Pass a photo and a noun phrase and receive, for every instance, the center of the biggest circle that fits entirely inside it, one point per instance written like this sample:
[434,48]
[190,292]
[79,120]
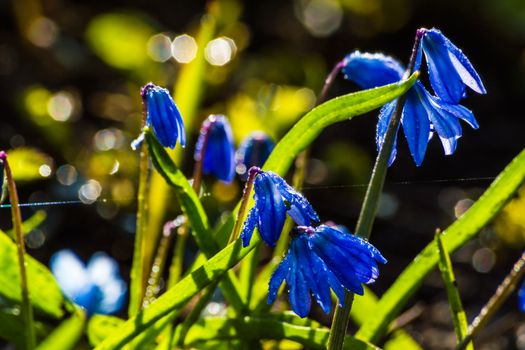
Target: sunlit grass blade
[459,317]
[263,327]
[67,334]
[454,237]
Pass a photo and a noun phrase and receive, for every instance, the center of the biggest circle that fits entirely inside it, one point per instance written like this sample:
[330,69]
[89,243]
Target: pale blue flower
[96,287]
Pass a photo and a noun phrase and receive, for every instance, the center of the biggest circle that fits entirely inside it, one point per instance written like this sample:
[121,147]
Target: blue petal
[314,272]
[371,70]
[299,294]
[271,209]
[301,211]
[70,273]
[449,69]
[249,226]
[444,123]
[104,273]
[278,277]
[385,115]
[460,112]
[416,124]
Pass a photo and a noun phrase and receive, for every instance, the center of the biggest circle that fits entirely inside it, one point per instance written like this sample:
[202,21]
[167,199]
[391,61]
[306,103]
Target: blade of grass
[459,317]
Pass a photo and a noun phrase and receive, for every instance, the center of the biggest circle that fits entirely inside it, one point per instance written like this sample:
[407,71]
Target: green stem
[27,309]
[502,293]
[244,204]
[370,205]
[138,268]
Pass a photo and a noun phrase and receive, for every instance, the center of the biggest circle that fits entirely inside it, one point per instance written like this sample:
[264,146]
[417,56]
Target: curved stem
[27,308]
[370,205]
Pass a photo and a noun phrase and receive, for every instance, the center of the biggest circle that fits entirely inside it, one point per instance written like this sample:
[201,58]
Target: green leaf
[459,317]
[460,232]
[30,224]
[26,164]
[299,137]
[264,327]
[46,296]
[120,39]
[12,326]
[67,334]
[101,326]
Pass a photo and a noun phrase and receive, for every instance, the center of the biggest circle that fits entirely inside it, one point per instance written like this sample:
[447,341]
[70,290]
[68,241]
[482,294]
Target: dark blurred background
[70,74]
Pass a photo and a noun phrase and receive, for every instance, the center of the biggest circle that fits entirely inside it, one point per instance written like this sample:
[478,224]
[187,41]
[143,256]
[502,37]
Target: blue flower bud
[253,151]
[163,116]
[215,148]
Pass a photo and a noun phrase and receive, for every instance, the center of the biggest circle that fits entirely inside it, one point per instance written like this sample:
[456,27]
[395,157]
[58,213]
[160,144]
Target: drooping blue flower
[215,148]
[163,116]
[305,274]
[96,287]
[450,71]
[422,115]
[352,259]
[273,199]
[322,258]
[253,151]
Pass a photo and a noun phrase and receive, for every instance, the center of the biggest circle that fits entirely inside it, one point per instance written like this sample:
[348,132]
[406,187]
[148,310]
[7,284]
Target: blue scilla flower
[305,274]
[253,151]
[97,287]
[422,115]
[450,71]
[273,199]
[215,148]
[322,258]
[163,116]
[352,259]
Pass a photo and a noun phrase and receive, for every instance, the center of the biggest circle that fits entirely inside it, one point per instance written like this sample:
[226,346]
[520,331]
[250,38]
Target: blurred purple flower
[96,287]
[253,151]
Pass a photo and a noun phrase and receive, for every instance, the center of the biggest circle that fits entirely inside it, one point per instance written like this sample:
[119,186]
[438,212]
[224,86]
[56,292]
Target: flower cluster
[96,287]
[450,73]
[319,258]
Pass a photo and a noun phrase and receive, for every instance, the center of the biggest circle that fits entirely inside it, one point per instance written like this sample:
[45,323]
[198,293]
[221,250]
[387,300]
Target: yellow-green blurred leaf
[120,39]
[28,164]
